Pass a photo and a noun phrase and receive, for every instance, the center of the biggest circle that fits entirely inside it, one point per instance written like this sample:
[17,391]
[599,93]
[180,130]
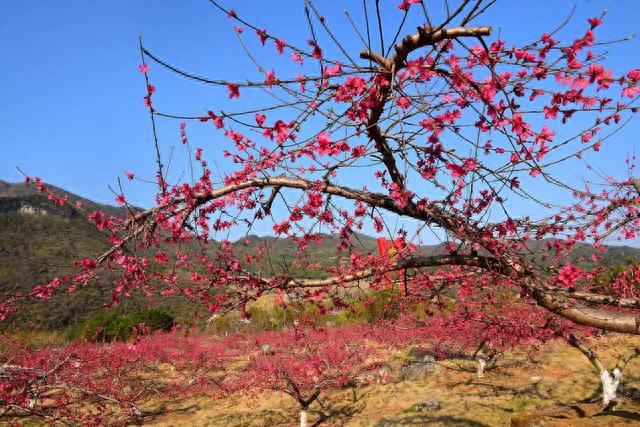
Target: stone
[428,404]
[30,210]
[420,364]
[417,353]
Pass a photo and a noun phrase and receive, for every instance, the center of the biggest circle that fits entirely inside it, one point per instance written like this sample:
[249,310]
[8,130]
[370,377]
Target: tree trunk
[33,402]
[610,382]
[481,364]
[303,418]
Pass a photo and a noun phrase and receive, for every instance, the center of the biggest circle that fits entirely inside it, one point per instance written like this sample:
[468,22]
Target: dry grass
[551,385]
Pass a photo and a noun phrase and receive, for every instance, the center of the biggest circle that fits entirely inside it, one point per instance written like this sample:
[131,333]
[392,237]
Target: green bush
[379,305]
[118,326]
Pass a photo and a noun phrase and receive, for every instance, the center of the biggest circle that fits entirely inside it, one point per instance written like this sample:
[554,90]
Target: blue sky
[71,106]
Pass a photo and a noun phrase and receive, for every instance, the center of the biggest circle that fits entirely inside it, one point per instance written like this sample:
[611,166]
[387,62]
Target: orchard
[445,132]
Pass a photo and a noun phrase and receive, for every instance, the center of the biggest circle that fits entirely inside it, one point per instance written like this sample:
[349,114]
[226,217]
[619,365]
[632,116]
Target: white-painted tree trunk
[481,364]
[303,418]
[33,402]
[610,383]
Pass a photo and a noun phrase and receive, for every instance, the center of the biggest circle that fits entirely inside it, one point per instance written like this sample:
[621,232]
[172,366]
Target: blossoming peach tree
[447,126]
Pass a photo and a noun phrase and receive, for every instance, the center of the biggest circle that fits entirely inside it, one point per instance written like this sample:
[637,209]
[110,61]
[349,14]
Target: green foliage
[372,307]
[257,319]
[379,305]
[35,339]
[271,320]
[118,326]
[604,280]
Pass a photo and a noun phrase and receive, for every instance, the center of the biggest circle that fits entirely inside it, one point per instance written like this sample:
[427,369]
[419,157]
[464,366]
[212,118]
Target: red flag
[392,251]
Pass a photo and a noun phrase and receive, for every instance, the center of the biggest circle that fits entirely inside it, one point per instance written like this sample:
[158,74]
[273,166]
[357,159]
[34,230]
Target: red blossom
[324,143]
[358,151]
[334,70]
[568,275]
[297,58]
[403,102]
[262,35]
[407,3]
[594,22]
[234,90]
[270,78]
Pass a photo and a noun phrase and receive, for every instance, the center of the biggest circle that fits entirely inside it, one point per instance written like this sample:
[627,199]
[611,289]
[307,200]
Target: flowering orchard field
[324,373]
[420,120]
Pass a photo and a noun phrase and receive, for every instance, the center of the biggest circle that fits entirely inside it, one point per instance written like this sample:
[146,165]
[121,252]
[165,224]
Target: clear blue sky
[71,106]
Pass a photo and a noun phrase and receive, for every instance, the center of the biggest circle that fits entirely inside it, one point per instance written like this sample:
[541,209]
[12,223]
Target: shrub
[118,326]
[379,305]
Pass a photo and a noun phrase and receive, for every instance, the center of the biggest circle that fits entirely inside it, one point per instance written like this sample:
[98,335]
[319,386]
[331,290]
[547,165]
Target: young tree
[307,361]
[483,334]
[478,326]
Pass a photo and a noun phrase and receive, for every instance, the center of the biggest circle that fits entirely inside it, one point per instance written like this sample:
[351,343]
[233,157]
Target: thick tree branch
[505,262]
[611,300]
[595,318]
[488,263]
[424,37]
[427,37]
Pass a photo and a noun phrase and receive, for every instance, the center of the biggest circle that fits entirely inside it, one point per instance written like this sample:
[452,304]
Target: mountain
[39,240]
[23,198]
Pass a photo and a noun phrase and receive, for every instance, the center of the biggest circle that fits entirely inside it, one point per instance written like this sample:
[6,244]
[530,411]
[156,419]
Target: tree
[306,361]
[400,109]
[484,332]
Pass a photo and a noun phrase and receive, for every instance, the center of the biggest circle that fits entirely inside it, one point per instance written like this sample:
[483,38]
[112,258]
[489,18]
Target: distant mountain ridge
[26,199]
[15,197]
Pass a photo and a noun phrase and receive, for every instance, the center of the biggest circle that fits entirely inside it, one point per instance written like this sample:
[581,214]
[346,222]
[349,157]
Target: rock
[417,353]
[429,404]
[30,210]
[420,364]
